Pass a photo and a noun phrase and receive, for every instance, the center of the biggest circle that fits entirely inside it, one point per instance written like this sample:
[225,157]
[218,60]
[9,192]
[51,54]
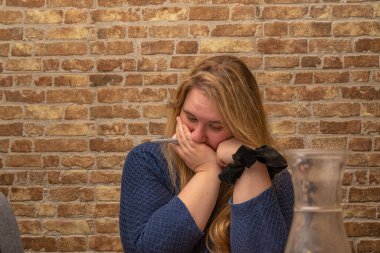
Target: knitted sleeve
[152,217]
[262,224]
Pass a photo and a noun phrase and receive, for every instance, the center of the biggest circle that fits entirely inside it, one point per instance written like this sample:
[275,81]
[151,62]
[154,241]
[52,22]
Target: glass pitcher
[317,222]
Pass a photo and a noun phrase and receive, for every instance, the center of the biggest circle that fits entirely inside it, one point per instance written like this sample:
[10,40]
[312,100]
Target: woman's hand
[198,156]
[226,149]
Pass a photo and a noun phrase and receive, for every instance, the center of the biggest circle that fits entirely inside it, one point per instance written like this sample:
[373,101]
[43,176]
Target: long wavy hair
[232,86]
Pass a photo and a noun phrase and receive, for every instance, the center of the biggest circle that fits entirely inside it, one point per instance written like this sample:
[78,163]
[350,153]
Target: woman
[172,199]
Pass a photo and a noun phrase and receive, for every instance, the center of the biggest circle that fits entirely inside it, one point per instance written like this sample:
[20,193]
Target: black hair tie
[245,157]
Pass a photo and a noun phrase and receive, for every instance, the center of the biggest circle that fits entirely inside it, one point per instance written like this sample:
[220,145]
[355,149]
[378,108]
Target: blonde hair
[232,86]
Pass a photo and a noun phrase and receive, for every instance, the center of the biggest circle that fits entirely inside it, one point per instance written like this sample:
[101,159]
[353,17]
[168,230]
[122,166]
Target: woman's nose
[198,134]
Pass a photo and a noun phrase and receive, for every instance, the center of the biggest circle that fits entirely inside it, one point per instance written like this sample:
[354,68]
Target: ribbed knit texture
[10,240]
[154,219]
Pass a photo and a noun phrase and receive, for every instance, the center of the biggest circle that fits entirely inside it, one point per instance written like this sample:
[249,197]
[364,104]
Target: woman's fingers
[184,135]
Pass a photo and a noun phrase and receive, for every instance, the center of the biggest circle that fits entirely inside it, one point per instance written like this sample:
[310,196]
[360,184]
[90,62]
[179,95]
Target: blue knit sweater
[154,219]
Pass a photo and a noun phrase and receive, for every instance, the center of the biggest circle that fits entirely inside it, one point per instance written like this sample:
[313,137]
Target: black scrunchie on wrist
[245,157]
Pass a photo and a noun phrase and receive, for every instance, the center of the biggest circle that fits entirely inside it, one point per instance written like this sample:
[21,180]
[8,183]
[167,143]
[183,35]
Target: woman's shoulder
[146,148]
[282,182]
[146,155]
[147,152]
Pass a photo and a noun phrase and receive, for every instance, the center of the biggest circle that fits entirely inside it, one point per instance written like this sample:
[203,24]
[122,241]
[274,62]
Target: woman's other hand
[226,149]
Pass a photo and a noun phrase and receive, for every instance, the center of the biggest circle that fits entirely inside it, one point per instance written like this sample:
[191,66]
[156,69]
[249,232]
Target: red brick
[105,79]
[340,127]
[7,34]
[361,229]
[337,109]
[145,2]
[26,193]
[6,178]
[310,29]
[331,77]
[156,128]
[21,146]
[13,129]
[137,129]
[370,127]
[360,144]
[310,61]
[77,96]
[60,145]
[282,62]
[137,31]
[166,13]
[329,45]
[30,3]
[78,64]
[115,128]
[157,47]
[359,211]
[71,210]
[303,78]
[113,15]
[284,46]
[50,64]
[112,47]
[74,16]
[38,16]
[110,3]
[329,143]
[61,48]
[284,12]
[317,93]
[367,45]
[355,28]
[107,177]
[39,243]
[116,111]
[199,30]
[113,32]
[243,12]
[110,162]
[105,243]
[10,112]
[187,47]
[110,145]
[362,92]
[10,17]
[72,3]
[368,245]
[238,30]
[72,243]
[283,109]
[107,226]
[332,62]
[361,61]
[280,94]
[209,13]
[67,194]
[350,11]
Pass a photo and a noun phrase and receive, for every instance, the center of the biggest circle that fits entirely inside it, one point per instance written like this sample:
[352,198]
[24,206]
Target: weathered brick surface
[82,82]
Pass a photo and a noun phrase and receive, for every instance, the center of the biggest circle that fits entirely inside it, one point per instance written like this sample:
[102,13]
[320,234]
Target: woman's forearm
[200,195]
[253,181]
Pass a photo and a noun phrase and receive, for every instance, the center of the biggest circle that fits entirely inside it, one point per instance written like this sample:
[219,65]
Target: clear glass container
[318,221]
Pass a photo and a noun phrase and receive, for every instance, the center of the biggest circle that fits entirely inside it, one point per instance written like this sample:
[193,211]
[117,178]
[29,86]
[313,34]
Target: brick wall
[83,81]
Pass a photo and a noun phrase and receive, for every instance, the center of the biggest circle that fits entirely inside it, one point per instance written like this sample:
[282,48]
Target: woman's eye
[216,128]
[191,119]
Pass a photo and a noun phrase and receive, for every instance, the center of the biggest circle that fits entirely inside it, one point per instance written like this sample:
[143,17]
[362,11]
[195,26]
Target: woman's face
[200,114]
